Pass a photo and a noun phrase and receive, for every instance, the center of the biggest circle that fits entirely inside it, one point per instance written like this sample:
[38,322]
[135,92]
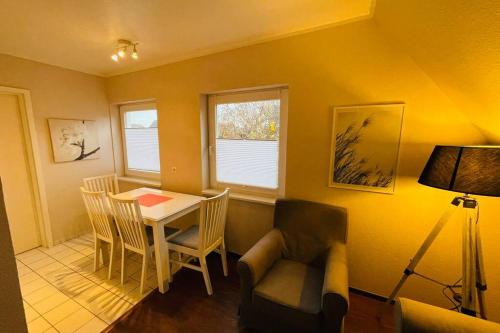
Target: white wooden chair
[134,234]
[106,183]
[200,240]
[102,224]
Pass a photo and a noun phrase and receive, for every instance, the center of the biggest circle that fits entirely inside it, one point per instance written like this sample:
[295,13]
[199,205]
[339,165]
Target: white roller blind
[246,162]
[247,142]
[140,126]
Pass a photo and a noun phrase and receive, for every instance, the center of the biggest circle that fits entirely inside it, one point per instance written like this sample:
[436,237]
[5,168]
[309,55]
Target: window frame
[135,172]
[280,93]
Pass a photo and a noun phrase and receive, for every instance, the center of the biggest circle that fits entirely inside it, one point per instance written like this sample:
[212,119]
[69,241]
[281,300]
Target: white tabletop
[163,210]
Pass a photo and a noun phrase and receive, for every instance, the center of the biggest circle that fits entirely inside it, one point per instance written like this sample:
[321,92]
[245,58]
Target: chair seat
[168,232]
[187,238]
[291,291]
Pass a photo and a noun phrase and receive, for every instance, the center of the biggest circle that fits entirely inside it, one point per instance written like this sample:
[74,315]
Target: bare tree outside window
[247,143]
[257,120]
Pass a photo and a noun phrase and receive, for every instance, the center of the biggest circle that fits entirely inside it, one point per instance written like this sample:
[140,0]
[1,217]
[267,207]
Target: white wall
[61,93]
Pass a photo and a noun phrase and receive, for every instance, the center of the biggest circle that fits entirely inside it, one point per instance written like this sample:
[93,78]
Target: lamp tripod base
[473,279]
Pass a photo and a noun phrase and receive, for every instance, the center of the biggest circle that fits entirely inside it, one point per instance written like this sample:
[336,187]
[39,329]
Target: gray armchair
[294,279]
[416,317]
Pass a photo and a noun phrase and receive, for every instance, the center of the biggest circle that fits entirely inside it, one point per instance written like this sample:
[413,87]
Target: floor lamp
[470,170]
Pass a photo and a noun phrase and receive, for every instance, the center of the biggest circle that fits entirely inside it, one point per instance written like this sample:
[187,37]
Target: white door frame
[35,169]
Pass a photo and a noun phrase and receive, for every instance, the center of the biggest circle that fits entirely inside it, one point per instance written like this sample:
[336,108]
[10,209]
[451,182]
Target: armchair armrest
[335,300]
[257,261]
[413,317]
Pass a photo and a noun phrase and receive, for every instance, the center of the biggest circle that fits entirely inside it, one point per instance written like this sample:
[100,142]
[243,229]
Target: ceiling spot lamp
[122,47]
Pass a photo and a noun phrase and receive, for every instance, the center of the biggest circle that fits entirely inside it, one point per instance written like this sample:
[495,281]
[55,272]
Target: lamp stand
[473,280]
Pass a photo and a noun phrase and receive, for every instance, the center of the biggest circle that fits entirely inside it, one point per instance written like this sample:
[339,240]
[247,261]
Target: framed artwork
[365,147]
[74,140]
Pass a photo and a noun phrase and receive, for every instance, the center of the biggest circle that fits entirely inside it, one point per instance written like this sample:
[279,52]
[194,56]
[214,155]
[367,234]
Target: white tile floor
[61,293]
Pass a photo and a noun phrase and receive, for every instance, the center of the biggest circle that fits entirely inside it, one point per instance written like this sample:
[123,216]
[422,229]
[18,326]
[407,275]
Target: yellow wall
[350,64]
[457,44]
[61,93]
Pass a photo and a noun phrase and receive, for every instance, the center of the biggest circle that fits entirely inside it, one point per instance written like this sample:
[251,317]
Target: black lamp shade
[464,169]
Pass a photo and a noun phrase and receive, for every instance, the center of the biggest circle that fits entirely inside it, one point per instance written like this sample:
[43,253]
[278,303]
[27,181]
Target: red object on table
[149,200]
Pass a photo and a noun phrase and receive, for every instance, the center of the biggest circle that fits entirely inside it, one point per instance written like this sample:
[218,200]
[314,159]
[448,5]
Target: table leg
[161,257]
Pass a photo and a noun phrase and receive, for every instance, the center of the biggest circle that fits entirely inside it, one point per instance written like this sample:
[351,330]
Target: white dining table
[157,217]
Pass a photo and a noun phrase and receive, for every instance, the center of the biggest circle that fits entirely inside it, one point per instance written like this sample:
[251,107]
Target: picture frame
[365,147]
[74,139]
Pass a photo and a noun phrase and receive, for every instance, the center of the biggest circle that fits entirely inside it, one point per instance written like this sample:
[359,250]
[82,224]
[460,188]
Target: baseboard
[368,294]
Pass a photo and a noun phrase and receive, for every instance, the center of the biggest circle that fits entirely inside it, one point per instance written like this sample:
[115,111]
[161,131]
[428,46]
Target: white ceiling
[81,34]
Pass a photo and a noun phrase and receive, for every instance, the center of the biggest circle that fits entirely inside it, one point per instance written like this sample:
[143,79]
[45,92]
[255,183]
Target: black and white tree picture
[74,140]
[365,146]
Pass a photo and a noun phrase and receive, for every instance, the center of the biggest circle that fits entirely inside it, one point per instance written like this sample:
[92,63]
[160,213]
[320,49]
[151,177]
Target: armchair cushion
[292,284]
[289,295]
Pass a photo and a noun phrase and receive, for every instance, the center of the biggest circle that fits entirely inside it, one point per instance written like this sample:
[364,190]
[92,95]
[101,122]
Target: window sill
[244,197]
[141,181]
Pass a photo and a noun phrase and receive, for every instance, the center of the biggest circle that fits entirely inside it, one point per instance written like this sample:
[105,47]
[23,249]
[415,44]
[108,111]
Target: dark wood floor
[186,307]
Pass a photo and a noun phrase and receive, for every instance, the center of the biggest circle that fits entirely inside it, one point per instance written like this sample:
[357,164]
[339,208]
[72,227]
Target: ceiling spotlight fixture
[121,49]
[134,54]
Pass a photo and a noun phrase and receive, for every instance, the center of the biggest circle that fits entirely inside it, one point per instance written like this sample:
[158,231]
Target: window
[141,152]
[247,141]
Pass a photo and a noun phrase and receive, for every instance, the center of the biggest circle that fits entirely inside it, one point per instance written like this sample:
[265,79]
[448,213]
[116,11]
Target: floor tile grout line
[40,316]
[72,297]
[69,298]
[128,277]
[93,316]
[32,305]
[120,296]
[66,246]
[77,272]
[36,288]
[44,253]
[22,254]
[51,326]
[24,266]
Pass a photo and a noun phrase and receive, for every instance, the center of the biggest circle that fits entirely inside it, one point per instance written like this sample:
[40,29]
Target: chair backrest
[130,223]
[309,228]
[213,213]
[106,183]
[99,213]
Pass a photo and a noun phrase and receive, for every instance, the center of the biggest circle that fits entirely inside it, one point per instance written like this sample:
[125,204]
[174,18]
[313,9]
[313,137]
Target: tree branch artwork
[81,145]
[74,140]
[349,168]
